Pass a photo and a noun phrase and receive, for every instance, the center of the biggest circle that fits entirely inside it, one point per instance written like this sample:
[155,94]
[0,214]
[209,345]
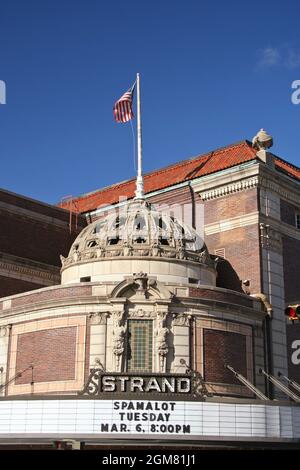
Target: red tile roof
[185,170]
[287,168]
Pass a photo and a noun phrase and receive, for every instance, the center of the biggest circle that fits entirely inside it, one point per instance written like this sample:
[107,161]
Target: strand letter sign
[100,383]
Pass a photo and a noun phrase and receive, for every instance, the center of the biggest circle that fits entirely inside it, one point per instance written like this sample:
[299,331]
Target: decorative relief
[230,188]
[262,181]
[181,319]
[99,318]
[33,273]
[98,364]
[4,330]
[162,334]
[162,316]
[140,313]
[119,337]
[141,281]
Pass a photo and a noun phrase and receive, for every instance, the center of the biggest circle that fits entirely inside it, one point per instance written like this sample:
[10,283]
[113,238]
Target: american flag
[123,107]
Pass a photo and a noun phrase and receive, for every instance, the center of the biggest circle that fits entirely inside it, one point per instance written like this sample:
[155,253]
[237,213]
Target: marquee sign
[100,383]
[86,418]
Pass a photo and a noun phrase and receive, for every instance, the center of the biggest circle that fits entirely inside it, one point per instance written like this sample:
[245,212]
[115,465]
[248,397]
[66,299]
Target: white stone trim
[232,223]
[230,188]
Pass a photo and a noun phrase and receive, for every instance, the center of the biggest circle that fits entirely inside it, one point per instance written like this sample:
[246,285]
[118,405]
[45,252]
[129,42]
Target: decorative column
[98,335]
[181,330]
[118,339]
[4,340]
[162,344]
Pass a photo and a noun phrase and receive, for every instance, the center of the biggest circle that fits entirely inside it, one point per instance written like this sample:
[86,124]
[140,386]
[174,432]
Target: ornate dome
[138,231]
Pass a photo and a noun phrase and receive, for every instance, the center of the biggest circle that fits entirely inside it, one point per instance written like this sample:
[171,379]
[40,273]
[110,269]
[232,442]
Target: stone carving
[156,251]
[98,318]
[76,256]
[181,253]
[4,330]
[98,364]
[162,317]
[127,249]
[181,319]
[100,252]
[119,337]
[162,345]
[141,231]
[204,257]
[246,286]
[141,280]
[162,334]
[262,140]
[62,260]
[140,313]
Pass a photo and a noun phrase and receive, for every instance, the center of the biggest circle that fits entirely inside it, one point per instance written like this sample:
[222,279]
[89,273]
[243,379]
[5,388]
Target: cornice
[230,188]
[257,175]
[37,216]
[9,268]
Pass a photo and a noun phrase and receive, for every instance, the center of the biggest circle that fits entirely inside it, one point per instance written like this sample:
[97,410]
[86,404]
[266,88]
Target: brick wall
[241,203]
[33,205]
[226,297]
[221,348]
[51,352]
[291,268]
[28,238]
[33,231]
[51,294]
[242,251]
[10,286]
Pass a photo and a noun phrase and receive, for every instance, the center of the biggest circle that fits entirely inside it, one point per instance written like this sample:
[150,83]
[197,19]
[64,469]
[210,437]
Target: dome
[135,232]
[138,231]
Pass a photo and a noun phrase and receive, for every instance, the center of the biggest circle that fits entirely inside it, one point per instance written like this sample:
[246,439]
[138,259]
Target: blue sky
[212,73]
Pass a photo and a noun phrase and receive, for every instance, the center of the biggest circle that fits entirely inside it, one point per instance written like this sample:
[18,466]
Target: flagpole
[139,193]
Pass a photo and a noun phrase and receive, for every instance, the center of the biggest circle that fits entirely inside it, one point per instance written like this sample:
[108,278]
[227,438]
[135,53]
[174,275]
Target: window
[139,345]
[85,279]
[298,221]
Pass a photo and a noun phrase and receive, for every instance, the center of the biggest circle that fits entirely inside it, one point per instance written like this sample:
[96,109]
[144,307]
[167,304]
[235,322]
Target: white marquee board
[147,418]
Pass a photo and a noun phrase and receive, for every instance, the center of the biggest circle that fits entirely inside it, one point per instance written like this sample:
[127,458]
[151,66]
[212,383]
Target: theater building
[168,319]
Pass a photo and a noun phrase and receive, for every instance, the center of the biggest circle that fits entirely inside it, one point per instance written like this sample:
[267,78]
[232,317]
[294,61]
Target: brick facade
[27,238]
[221,296]
[222,348]
[51,352]
[32,234]
[53,294]
[233,205]
[242,250]
[11,286]
[56,349]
